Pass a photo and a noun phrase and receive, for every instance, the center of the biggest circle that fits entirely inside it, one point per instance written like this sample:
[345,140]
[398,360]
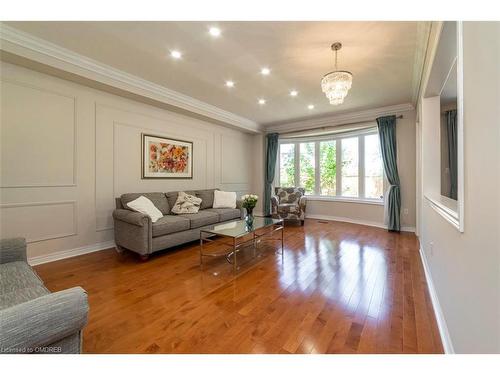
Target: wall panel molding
[106,116]
[74,230]
[225,156]
[73,183]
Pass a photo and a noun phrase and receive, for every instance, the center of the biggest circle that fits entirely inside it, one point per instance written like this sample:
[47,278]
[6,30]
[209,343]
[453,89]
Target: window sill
[377,202]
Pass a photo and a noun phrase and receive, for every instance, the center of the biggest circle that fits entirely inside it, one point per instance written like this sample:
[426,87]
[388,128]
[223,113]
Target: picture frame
[166,158]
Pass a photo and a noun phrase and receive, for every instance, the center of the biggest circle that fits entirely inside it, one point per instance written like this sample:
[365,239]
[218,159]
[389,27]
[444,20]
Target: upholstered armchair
[289,204]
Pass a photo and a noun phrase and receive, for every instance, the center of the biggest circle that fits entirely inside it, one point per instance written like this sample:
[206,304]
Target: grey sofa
[32,319]
[135,231]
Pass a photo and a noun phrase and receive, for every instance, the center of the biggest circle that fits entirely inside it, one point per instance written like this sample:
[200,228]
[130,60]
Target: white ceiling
[381,56]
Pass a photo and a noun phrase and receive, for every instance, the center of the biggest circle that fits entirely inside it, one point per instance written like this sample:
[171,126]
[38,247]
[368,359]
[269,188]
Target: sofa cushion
[207,198]
[202,218]
[226,213]
[172,197]
[17,275]
[21,295]
[159,200]
[170,224]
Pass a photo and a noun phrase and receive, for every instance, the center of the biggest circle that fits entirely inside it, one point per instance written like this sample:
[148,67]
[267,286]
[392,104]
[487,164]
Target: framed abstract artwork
[166,158]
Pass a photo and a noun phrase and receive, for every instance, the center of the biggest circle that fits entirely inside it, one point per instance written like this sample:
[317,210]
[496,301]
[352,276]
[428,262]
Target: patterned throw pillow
[186,204]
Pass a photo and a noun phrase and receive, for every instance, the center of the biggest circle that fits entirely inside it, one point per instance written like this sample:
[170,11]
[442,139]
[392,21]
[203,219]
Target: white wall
[465,267]
[371,214]
[67,150]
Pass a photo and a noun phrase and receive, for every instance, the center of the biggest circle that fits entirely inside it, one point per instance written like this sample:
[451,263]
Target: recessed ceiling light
[265,71]
[294,93]
[262,101]
[229,83]
[176,54]
[310,106]
[214,31]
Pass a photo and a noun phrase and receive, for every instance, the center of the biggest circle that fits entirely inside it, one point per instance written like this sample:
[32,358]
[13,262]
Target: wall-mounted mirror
[442,127]
[448,136]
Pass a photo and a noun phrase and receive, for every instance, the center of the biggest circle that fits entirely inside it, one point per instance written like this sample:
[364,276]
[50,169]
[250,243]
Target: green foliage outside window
[328,167]
[307,171]
[287,165]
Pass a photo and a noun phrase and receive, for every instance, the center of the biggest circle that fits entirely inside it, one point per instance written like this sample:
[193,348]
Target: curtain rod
[324,127]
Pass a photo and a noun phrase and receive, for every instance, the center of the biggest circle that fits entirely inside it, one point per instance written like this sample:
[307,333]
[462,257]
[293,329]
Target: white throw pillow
[224,199]
[146,207]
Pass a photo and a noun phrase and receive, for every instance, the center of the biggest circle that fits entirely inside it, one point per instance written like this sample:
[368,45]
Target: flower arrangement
[249,201]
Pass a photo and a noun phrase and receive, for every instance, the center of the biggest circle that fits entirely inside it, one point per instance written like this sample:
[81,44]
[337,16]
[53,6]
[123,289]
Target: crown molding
[339,119]
[39,50]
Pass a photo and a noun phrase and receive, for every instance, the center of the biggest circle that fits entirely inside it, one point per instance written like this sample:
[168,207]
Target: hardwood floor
[340,288]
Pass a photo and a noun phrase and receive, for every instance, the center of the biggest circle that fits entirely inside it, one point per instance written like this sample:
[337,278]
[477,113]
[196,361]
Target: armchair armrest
[303,203]
[274,201]
[43,320]
[12,250]
[131,217]
[274,204]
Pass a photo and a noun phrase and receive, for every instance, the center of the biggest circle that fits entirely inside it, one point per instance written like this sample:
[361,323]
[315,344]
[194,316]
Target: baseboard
[33,261]
[441,322]
[356,221]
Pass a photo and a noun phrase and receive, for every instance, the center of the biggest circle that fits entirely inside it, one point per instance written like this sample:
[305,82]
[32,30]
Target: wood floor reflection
[339,288]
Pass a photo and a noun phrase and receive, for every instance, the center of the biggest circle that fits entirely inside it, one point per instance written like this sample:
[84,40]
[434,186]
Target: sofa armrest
[43,320]
[12,250]
[133,231]
[239,206]
[131,217]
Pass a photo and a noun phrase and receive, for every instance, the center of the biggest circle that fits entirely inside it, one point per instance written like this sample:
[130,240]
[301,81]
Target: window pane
[287,165]
[307,167]
[374,177]
[350,167]
[328,167]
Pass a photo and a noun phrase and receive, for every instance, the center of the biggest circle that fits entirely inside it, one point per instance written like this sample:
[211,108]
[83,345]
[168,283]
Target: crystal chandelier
[336,84]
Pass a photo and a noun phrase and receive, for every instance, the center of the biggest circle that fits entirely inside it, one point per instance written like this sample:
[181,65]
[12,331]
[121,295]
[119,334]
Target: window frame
[360,135]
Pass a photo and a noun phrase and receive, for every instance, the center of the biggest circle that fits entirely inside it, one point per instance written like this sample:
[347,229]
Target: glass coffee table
[238,229]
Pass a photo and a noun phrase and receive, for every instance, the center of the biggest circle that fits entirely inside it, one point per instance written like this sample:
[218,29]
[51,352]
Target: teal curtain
[271,156]
[387,134]
[451,128]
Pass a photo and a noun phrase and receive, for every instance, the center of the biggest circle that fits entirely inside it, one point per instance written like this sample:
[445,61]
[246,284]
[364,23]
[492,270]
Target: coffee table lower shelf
[234,247]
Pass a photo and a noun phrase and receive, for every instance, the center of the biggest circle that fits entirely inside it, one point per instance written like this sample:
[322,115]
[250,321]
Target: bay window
[339,166]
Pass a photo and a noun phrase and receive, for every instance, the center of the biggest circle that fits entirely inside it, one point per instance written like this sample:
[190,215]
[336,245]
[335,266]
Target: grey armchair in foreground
[32,319]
